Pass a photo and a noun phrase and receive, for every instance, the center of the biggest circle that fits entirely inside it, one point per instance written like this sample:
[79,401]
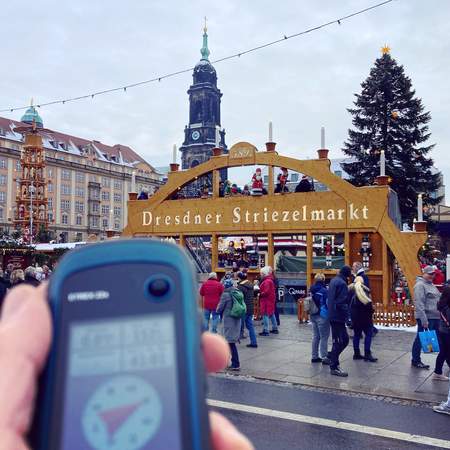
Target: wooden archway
[365,209]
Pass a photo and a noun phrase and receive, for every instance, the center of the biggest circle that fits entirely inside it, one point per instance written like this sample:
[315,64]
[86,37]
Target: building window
[93,178]
[64,219]
[105,223]
[117,184]
[79,220]
[105,209]
[49,187]
[2,163]
[50,216]
[65,174]
[117,210]
[2,196]
[50,203]
[65,189]
[117,197]
[80,177]
[105,195]
[294,177]
[79,237]
[106,182]
[65,204]
[2,180]
[95,208]
[1,213]
[17,165]
[79,192]
[50,172]
[117,225]
[79,207]
[94,221]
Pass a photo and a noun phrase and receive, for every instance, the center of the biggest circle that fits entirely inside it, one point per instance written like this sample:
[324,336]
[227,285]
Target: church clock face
[123,414]
[195,135]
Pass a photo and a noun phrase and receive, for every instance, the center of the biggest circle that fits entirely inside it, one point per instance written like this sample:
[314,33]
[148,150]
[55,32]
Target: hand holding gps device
[125,370]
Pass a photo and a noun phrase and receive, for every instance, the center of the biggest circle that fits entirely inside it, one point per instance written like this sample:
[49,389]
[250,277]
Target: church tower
[204,113]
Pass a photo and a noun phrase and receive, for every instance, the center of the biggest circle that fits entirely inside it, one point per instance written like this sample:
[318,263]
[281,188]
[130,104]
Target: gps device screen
[121,386]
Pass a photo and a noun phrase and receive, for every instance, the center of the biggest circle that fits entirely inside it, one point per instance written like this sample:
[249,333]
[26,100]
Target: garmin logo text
[87,296]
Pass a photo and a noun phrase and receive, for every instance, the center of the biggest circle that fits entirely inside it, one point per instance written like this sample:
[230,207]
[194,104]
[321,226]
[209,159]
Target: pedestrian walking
[246,287]
[231,325]
[211,290]
[338,309]
[444,341]
[267,301]
[361,311]
[320,322]
[426,297]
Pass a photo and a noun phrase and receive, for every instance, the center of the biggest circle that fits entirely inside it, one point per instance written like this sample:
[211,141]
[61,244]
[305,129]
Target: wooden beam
[309,258]
[216,182]
[214,252]
[270,251]
[270,187]
[182,240]
[386,277]
[347,248]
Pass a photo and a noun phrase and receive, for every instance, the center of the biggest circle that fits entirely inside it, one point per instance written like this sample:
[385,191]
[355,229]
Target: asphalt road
[267,432]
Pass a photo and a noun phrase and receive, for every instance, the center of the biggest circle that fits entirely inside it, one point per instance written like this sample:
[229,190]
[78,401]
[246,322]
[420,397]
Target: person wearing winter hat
[231,325]
[338,312]
[247,289]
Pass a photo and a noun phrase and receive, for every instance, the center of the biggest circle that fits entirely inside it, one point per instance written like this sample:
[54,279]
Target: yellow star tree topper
[385,50]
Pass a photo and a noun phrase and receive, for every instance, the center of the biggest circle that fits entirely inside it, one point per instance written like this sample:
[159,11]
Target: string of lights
[124,88]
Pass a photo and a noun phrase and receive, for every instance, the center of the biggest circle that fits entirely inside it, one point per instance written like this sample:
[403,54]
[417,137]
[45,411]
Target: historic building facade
[87,182]
[204,127]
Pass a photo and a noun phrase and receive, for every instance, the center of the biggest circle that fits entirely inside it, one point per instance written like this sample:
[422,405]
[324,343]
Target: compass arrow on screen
[114,418]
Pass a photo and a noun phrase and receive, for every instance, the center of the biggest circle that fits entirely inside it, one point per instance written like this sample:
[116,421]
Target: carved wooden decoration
[343,209]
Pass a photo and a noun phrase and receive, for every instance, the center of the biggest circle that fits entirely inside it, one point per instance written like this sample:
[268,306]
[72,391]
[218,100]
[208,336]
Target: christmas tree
[388,116]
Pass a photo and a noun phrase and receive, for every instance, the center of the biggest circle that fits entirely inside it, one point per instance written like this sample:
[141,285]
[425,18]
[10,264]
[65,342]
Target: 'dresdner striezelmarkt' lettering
[266,215]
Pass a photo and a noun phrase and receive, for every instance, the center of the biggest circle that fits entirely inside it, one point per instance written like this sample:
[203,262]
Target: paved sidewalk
[287,357]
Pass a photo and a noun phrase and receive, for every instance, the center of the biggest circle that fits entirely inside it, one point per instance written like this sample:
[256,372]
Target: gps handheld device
[125,370]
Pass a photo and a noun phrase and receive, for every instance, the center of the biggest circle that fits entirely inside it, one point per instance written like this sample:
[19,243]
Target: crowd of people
[345,303]
[11,277]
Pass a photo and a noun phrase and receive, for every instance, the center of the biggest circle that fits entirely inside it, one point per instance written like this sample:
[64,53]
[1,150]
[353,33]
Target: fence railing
[394,315]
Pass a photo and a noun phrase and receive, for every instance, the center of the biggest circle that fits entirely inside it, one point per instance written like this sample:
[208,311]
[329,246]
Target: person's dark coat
[143,196]
[303,186]
[361,313]
[319,294]
[444,324]
[246,287]
[338,298]
[31,281]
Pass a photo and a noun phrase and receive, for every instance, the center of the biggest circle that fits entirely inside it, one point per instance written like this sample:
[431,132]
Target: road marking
[311,420]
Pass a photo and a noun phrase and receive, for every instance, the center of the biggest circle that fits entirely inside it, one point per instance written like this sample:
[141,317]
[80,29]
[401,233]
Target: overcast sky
[53,49]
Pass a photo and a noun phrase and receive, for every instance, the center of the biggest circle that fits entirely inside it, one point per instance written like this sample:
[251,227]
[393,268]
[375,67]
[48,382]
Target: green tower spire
[205,50]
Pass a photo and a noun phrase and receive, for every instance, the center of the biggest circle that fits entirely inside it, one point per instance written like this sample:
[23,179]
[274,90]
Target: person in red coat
[211,290]
[267,300]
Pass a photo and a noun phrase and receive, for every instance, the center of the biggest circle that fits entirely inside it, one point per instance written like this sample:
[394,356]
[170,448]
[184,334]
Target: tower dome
[31,115]
[204,71]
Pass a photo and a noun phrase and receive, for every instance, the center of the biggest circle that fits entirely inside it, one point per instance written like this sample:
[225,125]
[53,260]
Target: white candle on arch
[270,132]
[133,181]
[382,163]
[174,156]
[322,137]
[419,208]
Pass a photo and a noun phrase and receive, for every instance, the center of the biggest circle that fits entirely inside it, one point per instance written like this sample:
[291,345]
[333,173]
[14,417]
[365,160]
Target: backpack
[239,308]
[310,306]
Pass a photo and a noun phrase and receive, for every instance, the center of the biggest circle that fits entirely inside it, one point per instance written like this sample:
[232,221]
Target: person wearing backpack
[231,324]
[247,289]
[319,320]
[267,301]
[444,340]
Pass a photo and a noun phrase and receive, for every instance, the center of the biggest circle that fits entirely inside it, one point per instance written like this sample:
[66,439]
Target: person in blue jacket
[339,311]
[320,322]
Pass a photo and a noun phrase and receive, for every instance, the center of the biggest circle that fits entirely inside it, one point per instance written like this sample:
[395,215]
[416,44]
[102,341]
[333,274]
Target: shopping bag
[429,341]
